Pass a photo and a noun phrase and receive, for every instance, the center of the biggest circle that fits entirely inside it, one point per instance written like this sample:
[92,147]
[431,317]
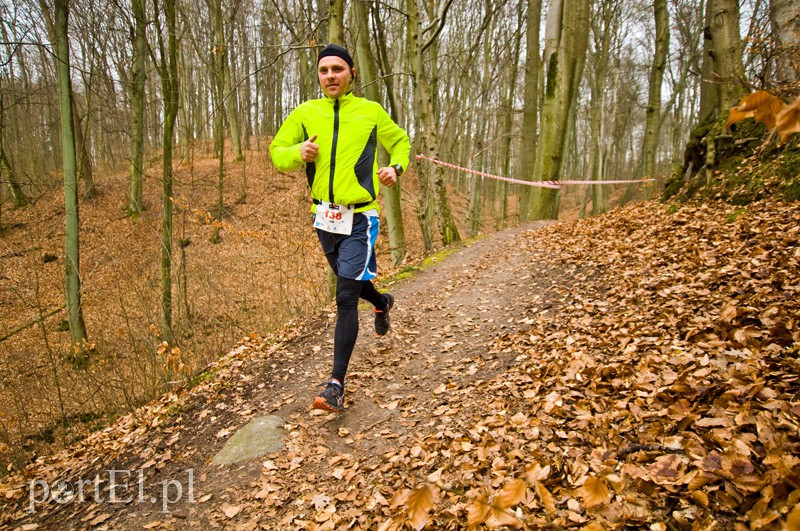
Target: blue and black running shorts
[353,256]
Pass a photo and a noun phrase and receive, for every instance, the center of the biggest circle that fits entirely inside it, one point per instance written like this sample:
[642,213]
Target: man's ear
[352,75]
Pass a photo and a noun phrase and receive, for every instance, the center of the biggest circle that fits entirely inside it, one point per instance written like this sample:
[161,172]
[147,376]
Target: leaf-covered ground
[639,369]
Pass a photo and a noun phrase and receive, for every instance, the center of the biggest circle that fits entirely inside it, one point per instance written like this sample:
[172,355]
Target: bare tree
[219,62]
[230,95]
[785,20]
[7,175]
[369,79]
[140,50]
[336,22]
[432,187]
[77,326]
[569,26]
[168,70]
[84,163]
[653,122]
[508,110]
[606,22]
[533,16]
[727,47]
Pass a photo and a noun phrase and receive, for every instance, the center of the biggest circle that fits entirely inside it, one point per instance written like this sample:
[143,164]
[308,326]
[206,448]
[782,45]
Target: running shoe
[331,399]
[382,321]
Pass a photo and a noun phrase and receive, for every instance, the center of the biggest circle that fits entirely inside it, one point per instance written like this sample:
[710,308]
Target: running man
[336,138]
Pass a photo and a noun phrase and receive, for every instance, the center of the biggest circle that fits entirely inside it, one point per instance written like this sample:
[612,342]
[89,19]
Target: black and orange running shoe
[382,321]
[331,399]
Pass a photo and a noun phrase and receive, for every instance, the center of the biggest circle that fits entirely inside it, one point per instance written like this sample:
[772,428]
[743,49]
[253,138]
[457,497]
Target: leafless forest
[143,229]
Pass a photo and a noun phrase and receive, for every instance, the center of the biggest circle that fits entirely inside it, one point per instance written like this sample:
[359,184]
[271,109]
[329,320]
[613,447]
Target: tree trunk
[6,172]
[85,171]
[784,16]
[231,102]
[476,183]
[508,120]
[323,8]
[380,41]
[307,73]
[604,32]
[84,165]
[137,108]
[221,87]
[653,113]
[336,24]
[475,189]
[248,94]
[596,128]
[7,175]
[727,46]
[433,174]
[563,68]
[554,28]
[169,84]
[425,205]
[77,326]
[709,94]
[391,196]
[531,104]
[188,99]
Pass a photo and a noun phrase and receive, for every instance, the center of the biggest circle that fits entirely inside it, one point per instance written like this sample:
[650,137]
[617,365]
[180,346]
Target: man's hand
[387,176]
[309,150]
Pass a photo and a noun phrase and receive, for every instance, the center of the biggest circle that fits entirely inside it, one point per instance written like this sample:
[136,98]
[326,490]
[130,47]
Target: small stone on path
[262,436]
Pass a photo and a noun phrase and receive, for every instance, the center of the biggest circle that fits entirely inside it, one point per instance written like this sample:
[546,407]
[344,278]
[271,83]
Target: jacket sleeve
[394,140]
[285,147]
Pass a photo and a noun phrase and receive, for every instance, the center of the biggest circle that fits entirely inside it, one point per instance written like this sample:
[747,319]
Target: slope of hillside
[739,164]
[219,290]
[636,369]
[247,282]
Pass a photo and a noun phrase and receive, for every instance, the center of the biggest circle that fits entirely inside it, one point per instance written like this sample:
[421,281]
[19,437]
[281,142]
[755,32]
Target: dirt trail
[632,370]
[442,321]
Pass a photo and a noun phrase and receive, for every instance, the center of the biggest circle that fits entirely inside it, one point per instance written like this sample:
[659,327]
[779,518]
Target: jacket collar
[344,98]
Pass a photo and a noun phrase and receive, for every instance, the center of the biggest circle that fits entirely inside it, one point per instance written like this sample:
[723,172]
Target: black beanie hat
[335,50]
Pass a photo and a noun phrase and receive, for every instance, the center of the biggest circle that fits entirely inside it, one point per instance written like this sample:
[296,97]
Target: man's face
[334,76]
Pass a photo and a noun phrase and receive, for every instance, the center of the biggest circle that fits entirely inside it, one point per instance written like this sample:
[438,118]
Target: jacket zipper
[333,147]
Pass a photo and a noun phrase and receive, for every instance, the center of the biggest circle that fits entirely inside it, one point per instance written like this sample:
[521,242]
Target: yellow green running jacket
[348,130]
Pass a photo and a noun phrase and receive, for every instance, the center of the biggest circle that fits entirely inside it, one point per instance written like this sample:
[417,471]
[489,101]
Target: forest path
[627,370]
[444,317]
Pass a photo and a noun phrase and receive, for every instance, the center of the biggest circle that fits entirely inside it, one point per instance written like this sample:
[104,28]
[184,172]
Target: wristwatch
[399,169]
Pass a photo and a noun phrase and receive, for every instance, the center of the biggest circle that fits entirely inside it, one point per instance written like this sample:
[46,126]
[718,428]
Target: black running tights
[348,292]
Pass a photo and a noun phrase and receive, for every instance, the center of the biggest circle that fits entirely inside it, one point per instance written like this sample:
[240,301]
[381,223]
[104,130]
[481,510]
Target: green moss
[736,214]
[202,377]
[437,258]
[175,409]
[702,130]
[412,270]
[672,209]
[788,175]
[749,165]
[791,192]
[404,274]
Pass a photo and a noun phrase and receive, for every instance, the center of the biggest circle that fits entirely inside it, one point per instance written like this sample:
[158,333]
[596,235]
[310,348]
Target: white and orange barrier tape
[543,184]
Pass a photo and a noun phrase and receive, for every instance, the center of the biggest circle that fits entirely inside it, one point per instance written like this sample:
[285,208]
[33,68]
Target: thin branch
[440,20]
[36,321]
[382,77]
[396,9]
[233,89]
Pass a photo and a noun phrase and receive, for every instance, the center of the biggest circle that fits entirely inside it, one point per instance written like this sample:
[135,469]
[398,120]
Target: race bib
[337,219]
